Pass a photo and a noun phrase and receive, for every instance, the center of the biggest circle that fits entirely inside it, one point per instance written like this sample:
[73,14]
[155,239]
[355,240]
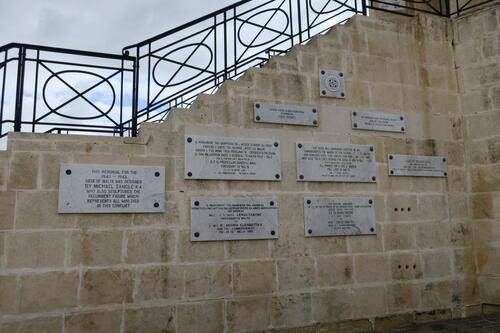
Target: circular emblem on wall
[332,83]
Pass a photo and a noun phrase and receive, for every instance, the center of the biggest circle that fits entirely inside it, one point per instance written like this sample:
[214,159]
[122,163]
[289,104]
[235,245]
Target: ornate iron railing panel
[61,90]
[175,67]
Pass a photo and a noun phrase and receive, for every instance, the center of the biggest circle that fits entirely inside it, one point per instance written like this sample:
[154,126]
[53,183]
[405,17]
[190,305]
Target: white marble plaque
[286,114]
[231,158]
[331,83]
[322,162]
[338,216]
[378,121]
[420,166]
[88,188]
[214,219]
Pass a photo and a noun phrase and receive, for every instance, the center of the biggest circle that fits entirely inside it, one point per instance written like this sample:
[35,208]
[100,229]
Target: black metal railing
[54,90]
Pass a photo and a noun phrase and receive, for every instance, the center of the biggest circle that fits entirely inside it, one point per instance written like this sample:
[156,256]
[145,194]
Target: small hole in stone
[414,266]
[395,209]
[399,266]
[402,209]
[409,209]
[407,267]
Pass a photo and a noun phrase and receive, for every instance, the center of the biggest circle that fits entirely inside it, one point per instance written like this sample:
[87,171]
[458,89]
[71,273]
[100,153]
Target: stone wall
[141,273]
[477,60]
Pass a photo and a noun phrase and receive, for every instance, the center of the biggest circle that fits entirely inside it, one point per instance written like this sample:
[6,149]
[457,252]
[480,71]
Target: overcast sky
[100,25]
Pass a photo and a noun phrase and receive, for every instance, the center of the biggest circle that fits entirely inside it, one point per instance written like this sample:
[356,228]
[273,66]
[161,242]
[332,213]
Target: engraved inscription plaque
[331,83]
[231,218]
[338,216]
[420,166]
[286,114]
[231,158]
[378,121]
[87,188]
[335,162]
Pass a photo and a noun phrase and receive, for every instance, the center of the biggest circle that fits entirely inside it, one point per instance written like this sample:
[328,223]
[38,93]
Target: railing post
[363,6]
[135,93]
[18,116]
[447,8]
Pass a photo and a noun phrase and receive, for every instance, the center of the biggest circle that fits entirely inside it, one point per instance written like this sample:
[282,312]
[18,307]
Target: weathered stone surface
[39,325]
[251,278]
[35,249]
[207,280]
[291,310]
[99,322]
[8,293]
[150,320]
[248,314]
[106,286]
[150,246]
[163,282]
[200,317]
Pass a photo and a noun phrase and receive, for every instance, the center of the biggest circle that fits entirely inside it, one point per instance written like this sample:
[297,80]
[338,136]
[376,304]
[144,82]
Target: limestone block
[482,206]
[432,207]
[465,291]
[97,248]
[351,326]
[456,182]
[248,314]
[307,62]
[476,100]
[370,140]
[2,250]
[35,249]
[49,169]
[483,124]
[379,93]
[369,243]
[207,280]
[159,282]
[150,246]
[106,286]
[229,113]
[256,277]
[392,184]
[383,44]
[74,146]
[326,245]
[247,249]
[490,289]
[109,159]
[8,294]
[296,274]
[487,261]
[334,270]
[433,235]
[398,236]
[48,291]
[98,322]
[371,268]
[23,171]
[402,296]
[38,210]
[436,295]
[369,301]
[398,146]
[485,178]
[402,207]
[150,320]
[7,210]
[332,305]
[406,266]
[461,234]
[291,310]
[464,261]
[291,87]
[200,317]
[188,251]
[436,264]
[40,325]
[487,233]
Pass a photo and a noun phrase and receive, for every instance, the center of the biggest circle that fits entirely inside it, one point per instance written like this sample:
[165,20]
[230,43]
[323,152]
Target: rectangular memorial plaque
[232,158]
[231,218]
[420,166]
[338,216]
[335,162]
[378,121]
[286,114]
[87,188]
